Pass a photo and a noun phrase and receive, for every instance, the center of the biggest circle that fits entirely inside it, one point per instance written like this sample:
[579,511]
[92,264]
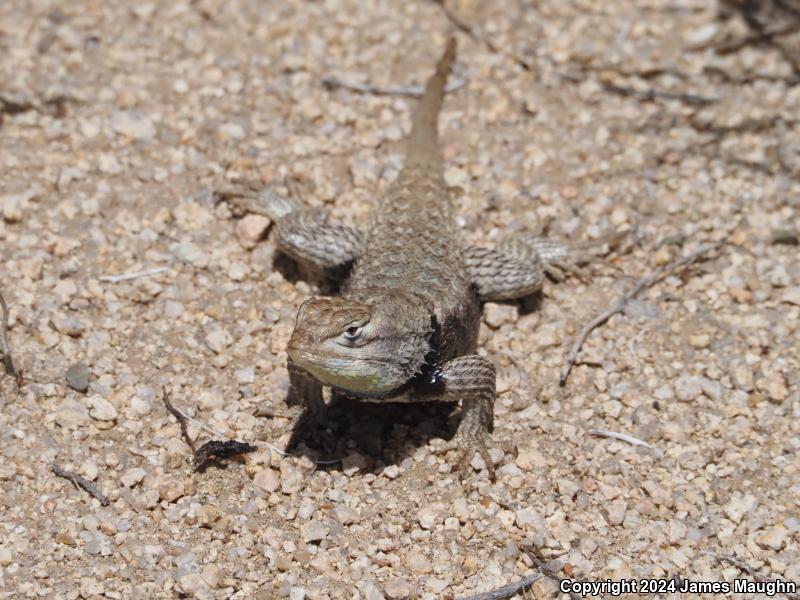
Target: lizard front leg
[470,379]
[305,403]
[304,234]
[304,390]
[310,238]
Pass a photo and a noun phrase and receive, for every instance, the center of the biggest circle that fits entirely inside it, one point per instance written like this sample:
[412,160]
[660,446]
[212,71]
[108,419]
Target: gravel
[78,377]
[118,123]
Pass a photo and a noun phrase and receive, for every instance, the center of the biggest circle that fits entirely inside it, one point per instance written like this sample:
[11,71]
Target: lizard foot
[266,409]
[559,271]
[466,444]
[305,421]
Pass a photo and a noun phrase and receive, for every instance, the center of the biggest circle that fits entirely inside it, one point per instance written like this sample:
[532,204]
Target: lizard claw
[561,270]
[466,444]
[266,409]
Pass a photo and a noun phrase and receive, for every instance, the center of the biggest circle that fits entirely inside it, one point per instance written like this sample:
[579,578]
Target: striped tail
[423,142]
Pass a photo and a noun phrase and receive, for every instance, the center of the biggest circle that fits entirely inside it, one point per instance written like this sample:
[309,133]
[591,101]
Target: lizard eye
[352,335]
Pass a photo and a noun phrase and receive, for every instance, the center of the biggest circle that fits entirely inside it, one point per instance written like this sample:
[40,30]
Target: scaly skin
[406,325]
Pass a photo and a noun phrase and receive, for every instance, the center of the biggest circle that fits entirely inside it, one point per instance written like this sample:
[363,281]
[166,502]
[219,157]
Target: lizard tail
[423,142]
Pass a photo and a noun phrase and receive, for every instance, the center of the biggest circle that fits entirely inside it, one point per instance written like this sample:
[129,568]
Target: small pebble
[314,531]
[267,480]
[132,476]
[78,377]
[133,124]
[397,588]
[170,489]
[688,387]
[251,229]
[101,409]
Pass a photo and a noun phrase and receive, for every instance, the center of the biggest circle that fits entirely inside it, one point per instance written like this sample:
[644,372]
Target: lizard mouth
[304,356]
[356,374]
[329,360]
[301,353]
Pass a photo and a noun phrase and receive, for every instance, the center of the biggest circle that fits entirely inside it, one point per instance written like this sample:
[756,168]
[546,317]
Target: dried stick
[200,453]
[81,482]
[178,415]
[641,284]
[461,25]
[384,90]
[8,362]
[538,562]
[183,419]
[654,94]
[648,95]
[740,564]
[624,437]
[133,275]
[507,591]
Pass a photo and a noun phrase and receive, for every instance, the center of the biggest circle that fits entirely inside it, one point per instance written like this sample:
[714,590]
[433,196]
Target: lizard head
[364,348]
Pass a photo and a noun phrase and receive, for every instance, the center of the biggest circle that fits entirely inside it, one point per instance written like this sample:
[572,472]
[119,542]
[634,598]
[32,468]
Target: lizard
[405,326]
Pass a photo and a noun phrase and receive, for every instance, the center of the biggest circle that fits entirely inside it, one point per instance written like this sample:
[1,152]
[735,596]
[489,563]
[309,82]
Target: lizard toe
[466,444]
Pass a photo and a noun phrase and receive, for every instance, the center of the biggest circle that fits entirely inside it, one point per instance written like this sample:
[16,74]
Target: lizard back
[412,243]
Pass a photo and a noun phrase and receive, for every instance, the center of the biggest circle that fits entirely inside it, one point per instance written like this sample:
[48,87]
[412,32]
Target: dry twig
[221,449]
[385,90]
[8,361]
[212,449]
[133,275]
[624,437]
[652,94]
[459,24]
[641,284]
[648,95]
[538,562]
[507,591]
[178,415]
[740,564]
[81,482]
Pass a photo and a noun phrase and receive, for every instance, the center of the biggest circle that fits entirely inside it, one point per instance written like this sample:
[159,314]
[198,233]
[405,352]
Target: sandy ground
[119,120]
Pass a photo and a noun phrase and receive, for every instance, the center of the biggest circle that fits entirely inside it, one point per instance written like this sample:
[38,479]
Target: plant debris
[178,415]
[641,284]
[216,449]
[82,483]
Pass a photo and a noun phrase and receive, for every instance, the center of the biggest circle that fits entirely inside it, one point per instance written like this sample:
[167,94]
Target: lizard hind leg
[499,275]
[560,258]
[517,266]
[471,379]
